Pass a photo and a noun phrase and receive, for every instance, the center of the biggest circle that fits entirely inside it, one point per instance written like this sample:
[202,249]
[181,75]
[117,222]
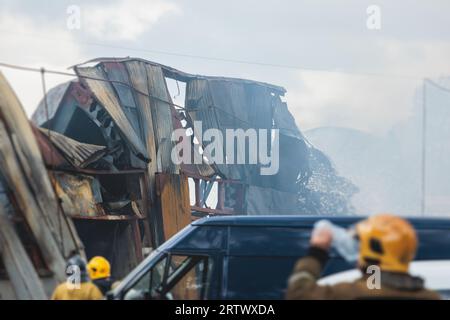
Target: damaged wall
[232,104]
[126,107]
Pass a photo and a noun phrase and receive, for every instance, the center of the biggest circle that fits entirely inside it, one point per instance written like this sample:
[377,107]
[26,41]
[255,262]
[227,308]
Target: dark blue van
[247,257]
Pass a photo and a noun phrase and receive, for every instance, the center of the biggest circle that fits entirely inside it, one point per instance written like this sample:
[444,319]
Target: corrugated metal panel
[51,156]
[117,72]
[162,118]
[78,154]
[154,123]
[54,99]
[105,94]
[198,104]
[138,78]
[227,105]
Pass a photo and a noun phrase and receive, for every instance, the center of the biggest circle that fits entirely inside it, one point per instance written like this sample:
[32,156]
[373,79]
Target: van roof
[307,221]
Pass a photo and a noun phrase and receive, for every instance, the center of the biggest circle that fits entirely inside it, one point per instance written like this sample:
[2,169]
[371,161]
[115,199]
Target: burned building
[125,104]
[105,141]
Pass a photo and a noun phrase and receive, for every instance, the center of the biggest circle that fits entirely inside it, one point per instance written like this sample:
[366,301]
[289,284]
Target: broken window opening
[83,129]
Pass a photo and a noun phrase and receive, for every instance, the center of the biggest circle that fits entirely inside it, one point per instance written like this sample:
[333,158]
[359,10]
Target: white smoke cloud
[29,43]
[366,102]
[125,19]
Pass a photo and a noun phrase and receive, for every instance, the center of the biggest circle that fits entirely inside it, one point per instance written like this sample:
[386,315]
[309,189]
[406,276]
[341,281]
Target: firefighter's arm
[303,282]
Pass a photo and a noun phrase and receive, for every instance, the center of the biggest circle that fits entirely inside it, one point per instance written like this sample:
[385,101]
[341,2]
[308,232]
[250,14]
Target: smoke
[388,168]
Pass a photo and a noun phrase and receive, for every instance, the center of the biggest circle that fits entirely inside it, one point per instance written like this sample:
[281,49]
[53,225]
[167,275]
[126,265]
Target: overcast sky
[331,53]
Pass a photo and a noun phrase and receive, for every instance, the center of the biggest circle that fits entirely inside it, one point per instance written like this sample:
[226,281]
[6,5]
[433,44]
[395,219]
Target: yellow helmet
[98,268]
[388,241]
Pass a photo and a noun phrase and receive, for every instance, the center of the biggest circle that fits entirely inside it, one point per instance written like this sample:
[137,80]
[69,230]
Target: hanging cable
[68,74]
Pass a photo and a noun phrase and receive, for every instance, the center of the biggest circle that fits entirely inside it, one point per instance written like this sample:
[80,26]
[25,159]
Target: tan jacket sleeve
[303,282]
[95,293]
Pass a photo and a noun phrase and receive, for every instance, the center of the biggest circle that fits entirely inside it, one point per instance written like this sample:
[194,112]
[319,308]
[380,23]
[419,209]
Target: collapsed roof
[98,178]
[124,104]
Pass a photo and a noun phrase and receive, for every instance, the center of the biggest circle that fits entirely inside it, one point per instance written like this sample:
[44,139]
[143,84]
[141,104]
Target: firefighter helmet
[76,266]
[99,268]
[388,241]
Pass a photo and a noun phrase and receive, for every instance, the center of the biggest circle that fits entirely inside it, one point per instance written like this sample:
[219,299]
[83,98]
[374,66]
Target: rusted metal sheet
[51,156]
[173,194]
[25,174]
[79,194]
[104,93]
[78,154]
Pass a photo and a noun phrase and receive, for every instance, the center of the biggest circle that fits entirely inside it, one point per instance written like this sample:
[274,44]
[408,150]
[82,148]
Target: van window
[189,279]
[147,286]
[445,294]
[174,277]
[258,277]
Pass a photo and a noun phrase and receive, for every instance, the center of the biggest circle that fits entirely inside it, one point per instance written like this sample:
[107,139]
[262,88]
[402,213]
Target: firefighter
[100,272]
[78,285]
[385,241]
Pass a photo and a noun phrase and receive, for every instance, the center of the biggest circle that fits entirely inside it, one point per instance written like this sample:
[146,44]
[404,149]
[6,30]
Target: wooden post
[145,204]
[174,202]
[220,195]
[198,196]
[137,239]
[21,272]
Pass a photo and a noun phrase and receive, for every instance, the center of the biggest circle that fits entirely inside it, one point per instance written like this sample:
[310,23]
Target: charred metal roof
[181,75]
